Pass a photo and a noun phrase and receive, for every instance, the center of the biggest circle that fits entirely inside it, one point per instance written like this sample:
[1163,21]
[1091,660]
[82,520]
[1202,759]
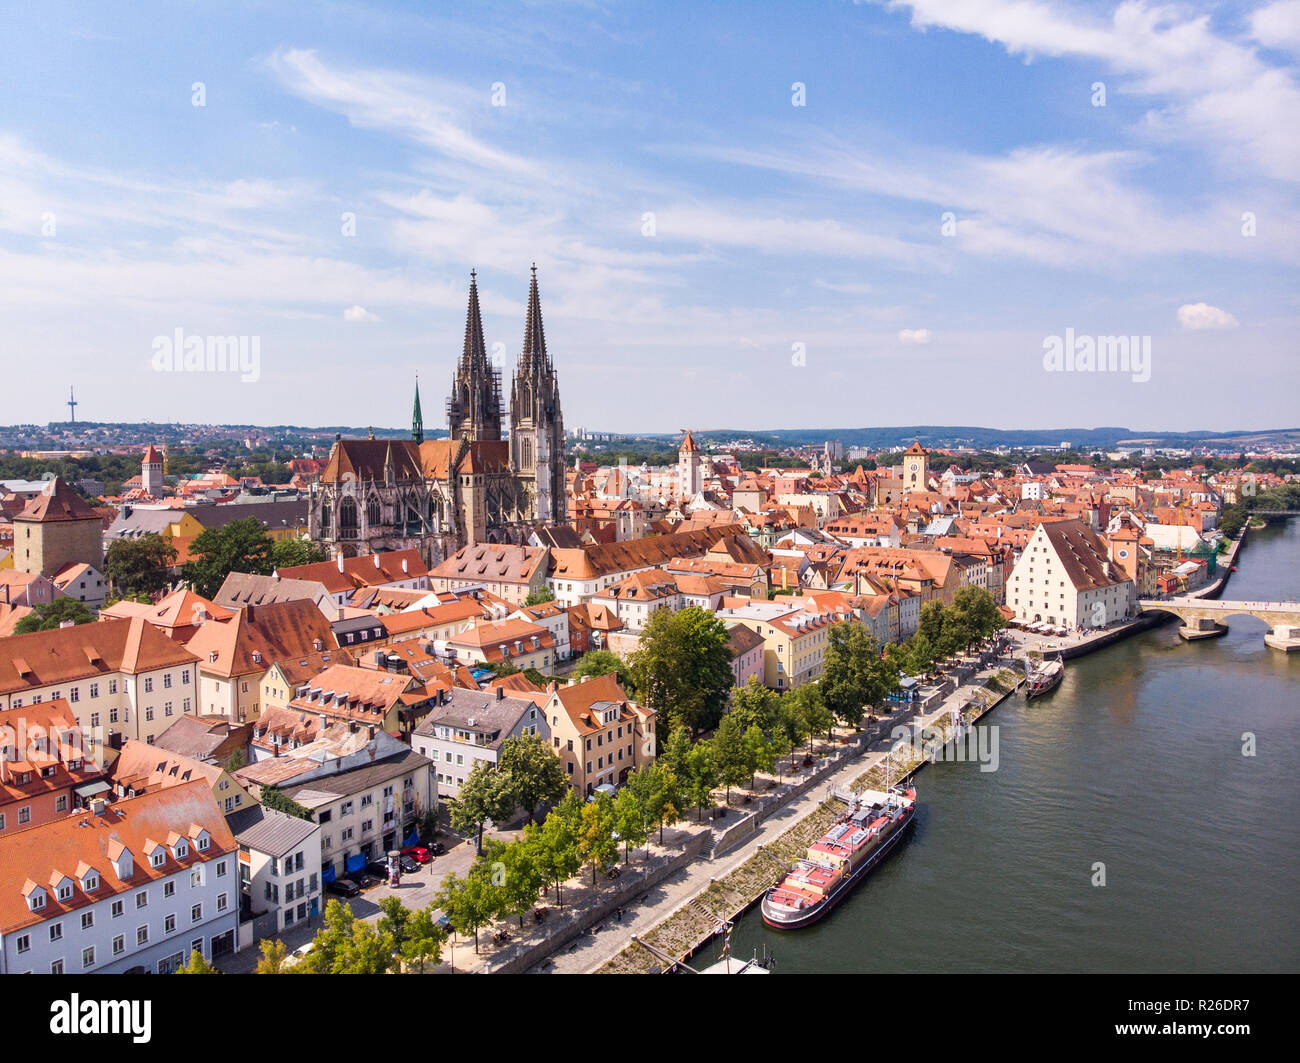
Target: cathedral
[474,486]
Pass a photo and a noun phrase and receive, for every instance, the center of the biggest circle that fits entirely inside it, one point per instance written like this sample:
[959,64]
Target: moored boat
[840,858]
[1043,677]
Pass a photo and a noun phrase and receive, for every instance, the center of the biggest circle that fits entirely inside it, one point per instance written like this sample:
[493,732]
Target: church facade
[477,485]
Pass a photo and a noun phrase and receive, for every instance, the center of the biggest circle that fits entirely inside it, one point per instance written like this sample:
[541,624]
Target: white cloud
[1277,25]
[1204,316]
[358,313]
[914,335]
[1216,90]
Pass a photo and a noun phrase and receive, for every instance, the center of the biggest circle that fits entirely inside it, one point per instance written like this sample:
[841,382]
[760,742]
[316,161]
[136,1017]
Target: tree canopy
[240,546]
[682,668]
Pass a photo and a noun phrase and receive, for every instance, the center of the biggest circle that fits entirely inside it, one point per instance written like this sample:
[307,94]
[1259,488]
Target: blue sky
[126,212]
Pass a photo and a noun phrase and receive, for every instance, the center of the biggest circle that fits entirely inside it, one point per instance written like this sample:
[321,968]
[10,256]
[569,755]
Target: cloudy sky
[743,215]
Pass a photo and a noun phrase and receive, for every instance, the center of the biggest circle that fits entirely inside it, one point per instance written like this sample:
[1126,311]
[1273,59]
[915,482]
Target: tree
[274,797]
[793,728]
[596,663]
[394,919]
[472,902]
[699,777]
[274,955]
[240,546]
[656,790]
[484,795]
[535,774]
[424,940]
[518,873]
[367,951]
[810,704]
[289,553]
[677,750]
[683,667]
[197,965]
[596,843]
[930,626]
[629,821]
[540,596]
[428,827]
[328,951]
[139,566]
[557,842]
[53,615]
[854,675]
[974,615]
[761,754]
[731,755]
[755,704]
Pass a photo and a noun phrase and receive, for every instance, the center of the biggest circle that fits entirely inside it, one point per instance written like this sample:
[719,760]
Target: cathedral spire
[474,355]
[474,408]
[417,420]
[534,356]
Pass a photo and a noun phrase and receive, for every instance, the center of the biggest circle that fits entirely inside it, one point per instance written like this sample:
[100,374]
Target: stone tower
[57,528]
[690,477]
[537,451]
[474,408]
[151,472]
[916,468]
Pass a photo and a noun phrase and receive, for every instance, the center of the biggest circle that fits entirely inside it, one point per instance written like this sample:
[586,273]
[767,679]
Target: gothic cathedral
[474,486]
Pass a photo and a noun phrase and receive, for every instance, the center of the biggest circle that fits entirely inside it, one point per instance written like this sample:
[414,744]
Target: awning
[356,863]
[413,840]
[327,876]
[90,789]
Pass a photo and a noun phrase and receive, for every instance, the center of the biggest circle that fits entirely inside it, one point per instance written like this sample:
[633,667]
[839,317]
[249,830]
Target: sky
[743,215]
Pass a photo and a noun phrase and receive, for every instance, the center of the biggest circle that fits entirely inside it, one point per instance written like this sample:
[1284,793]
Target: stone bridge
[1203,618]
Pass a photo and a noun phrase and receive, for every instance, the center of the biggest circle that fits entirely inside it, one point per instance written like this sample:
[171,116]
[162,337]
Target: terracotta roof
[1082,554]
[277,631]
[486,562]
[57,502]
[44,854]
[86,651]
[591,562]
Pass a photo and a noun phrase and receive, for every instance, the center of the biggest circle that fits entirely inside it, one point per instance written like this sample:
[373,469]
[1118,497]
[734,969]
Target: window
[112,715]
[202,845]
[87,920]
[56,931]
[221,902]
[169,924]
[24,943]
[25,814]
[112,686]
[88,957]
[74,695]
[185,677]
[169,889]
[221,869]
[148,713]
[119,945]
[56,967]
[142,900]
[148,685]
[196,877]
[94,690]
[196,913]
[159,857]
[167,708]
[117,909]
[65,891]
[167,681]
[142,935]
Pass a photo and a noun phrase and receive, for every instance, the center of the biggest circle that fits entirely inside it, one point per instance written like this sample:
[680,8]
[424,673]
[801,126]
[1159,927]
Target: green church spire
[417,421]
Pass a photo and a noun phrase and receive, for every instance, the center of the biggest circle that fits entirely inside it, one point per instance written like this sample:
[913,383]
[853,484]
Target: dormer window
[36,901]
[90,883]
[159,857]
[201,843]
[65,891]
[182,850]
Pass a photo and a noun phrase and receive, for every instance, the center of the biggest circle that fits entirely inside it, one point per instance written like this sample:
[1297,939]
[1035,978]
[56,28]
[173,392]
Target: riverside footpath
[688,907]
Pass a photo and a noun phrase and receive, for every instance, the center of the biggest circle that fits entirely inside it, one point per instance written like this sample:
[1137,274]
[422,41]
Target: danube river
[1135,762]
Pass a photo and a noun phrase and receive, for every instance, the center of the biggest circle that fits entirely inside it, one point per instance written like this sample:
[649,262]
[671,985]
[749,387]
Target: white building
[279,872]
[1065,578]
[135,886]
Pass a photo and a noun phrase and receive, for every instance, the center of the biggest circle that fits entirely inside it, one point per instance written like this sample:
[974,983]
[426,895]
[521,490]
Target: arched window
[348,518]
[372,512]
[324,516]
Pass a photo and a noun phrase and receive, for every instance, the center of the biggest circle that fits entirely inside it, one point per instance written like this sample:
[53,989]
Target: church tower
[536,423]
[690,477]
[474,408]
[417,419]
[151,472]
[916,468]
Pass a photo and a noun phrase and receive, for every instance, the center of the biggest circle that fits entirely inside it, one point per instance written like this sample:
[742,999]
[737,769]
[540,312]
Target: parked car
[437,848]
[418,853]
[366,880]
[344,887]
[409,866]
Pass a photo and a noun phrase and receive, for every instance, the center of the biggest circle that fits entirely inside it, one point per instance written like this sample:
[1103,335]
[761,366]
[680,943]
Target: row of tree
[526,776]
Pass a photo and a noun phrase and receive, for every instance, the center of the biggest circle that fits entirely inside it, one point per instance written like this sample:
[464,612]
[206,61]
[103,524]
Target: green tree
[731,755]
[854,675]
[367,951]
[540,596]
[518,873]
[55,614]
[535,775]
[676,751]
[793,728]
[629,821]
[274,956]
[274,797]
[753,703]
[485,795]
[974,615]
[656,790]
[240,546]
[809,702]
[139,566]
[596,843]
[328,953]
[290,553]
[197,965]
[424,940]
[761,754]
[557,848]
[394,919]
[596,663]
[682,667]
[472,902]
[699,777]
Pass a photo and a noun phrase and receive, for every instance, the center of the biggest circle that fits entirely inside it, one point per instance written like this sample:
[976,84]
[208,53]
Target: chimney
[371,729]
[67,623]
[99,806]
[377,563]
[251,612]
[317,645]
[405,569]
[501,693]
[340,561]
[552,687]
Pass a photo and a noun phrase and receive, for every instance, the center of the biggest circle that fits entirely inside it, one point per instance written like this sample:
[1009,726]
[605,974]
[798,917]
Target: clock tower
[916,468]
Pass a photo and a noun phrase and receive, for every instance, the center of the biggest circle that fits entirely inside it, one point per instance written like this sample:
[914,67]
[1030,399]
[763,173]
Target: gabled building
[1066,578]
[597,731]
[470,726]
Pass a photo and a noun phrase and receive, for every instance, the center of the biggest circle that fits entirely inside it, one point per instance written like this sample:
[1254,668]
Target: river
[1136,762]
